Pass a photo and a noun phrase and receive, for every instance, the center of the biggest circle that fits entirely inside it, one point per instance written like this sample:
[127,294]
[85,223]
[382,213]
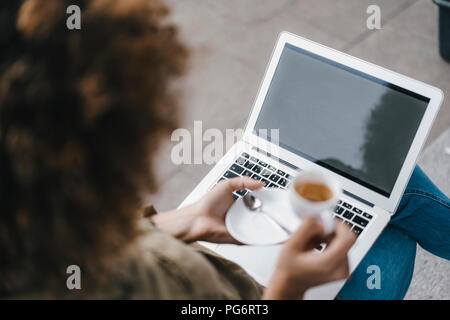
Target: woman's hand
[205,219]
[300,268]
[215,204]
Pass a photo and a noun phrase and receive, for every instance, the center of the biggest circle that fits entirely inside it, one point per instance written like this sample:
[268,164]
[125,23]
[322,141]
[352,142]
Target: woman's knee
[386,271]
[424,214]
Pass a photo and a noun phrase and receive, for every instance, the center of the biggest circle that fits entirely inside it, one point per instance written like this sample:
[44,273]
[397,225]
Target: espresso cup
[319,209]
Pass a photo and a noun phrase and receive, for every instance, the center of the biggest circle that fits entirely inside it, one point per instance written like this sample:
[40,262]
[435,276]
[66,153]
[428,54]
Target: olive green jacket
[159,266]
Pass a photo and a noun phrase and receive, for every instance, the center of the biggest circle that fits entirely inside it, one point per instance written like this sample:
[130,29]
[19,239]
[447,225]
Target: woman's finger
[341,272]
[309,230]
[337,249]
[244,183]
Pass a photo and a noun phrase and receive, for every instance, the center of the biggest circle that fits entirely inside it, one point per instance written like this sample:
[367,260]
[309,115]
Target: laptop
[321,109]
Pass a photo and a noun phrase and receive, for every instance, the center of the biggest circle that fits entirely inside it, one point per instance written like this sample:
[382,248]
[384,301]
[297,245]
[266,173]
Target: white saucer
[255,228]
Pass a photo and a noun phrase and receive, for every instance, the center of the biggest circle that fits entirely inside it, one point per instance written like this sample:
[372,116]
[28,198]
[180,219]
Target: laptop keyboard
[246,165]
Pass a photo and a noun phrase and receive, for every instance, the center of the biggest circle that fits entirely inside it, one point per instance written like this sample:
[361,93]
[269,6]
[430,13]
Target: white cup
[317,209]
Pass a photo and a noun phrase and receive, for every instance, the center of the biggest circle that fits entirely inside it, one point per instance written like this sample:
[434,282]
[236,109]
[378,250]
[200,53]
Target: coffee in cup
[313,191]
[315,194]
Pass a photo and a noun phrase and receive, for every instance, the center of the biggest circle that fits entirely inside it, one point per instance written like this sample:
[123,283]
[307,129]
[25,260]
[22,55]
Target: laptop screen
[354,124]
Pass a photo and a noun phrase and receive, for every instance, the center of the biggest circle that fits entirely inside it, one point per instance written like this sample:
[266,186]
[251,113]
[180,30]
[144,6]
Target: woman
[81,116]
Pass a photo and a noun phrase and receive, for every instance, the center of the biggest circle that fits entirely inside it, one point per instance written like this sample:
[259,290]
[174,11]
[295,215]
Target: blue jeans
[422,217]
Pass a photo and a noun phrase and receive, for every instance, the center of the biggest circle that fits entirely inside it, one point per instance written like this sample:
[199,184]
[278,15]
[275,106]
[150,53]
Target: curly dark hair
[81,114]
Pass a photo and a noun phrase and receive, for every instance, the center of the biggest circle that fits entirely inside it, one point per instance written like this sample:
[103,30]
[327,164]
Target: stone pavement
[231,42]
[431,279]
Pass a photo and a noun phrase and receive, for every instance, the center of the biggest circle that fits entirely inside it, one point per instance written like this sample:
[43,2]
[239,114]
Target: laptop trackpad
[258,261]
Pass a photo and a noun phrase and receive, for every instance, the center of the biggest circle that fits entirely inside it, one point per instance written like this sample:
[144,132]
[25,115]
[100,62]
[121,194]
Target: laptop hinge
[351,195]
[290,165]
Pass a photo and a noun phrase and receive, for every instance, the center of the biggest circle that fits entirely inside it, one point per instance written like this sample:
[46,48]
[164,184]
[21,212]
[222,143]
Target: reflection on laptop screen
[354,124]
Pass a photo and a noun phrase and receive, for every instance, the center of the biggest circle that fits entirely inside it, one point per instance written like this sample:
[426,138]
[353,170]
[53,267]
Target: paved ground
[231,42]
[431,279]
